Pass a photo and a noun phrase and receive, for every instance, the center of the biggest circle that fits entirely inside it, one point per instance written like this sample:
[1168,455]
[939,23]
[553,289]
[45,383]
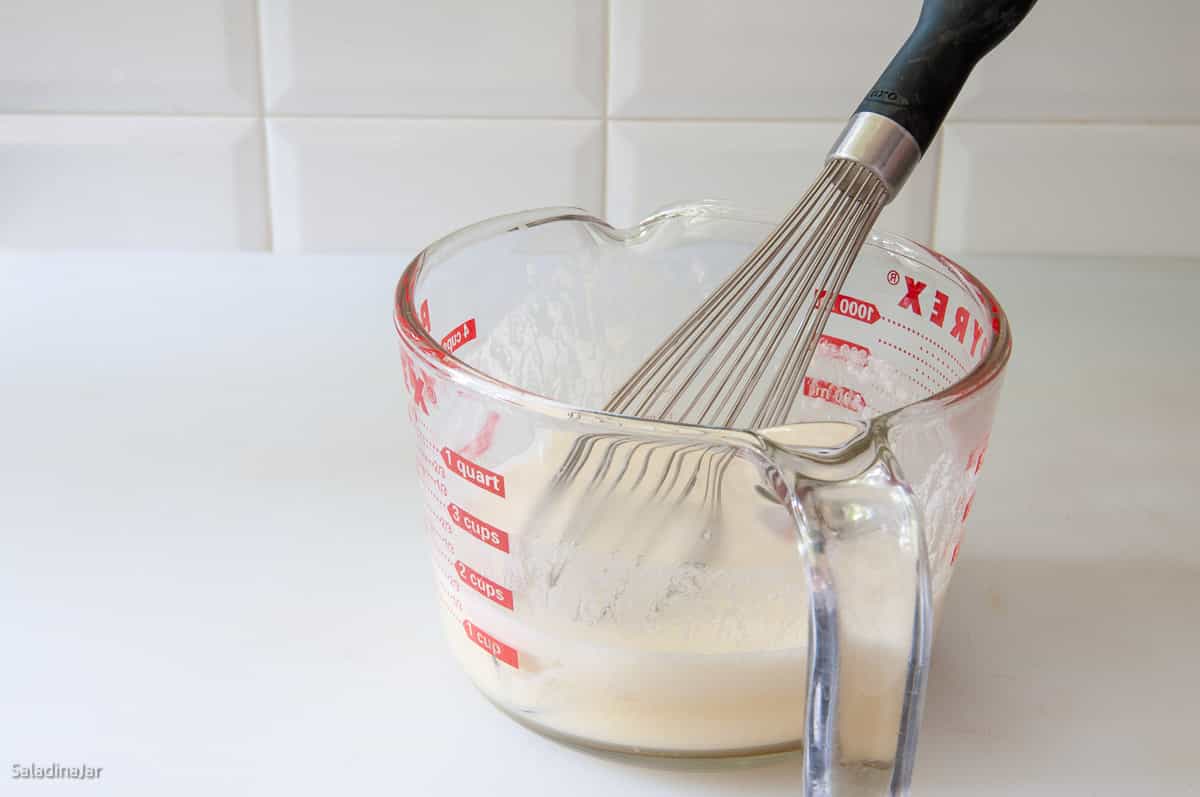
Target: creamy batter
[653,625]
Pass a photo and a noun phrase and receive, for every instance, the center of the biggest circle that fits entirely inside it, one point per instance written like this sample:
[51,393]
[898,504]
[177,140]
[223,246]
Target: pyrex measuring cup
[669,589]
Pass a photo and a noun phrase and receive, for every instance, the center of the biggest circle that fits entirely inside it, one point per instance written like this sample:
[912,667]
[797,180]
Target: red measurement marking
[915,358]
[850,307]
[437,533]
[840,347]
[954,555]
[430,480]
[485,532]
[941,361]
[484,585]
[461,335]
[424,313]
[929,340]
[834,394]
[904,372]
[975,458]
[474,472]
[483,440]
[489,643]
[440,556]
[432,466]
[432,503]
[933,371]
[967,508]
[447,585]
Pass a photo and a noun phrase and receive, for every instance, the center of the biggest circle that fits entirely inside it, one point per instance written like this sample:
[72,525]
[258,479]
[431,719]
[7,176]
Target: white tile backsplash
[1106,60]
[806,59]
[449,58]
[1069,189]
[131,182]
[390,184]
[762,165]
[147,56]
[143,123]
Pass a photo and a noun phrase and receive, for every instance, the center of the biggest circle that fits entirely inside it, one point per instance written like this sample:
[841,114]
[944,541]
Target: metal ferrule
[882,146]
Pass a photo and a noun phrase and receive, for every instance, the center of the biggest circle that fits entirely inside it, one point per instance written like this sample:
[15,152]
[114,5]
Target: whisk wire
[726,292]
[868,200]
[799,285]
[710,370]
[780,291]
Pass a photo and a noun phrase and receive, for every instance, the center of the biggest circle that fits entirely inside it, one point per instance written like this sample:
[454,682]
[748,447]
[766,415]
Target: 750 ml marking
[841,348]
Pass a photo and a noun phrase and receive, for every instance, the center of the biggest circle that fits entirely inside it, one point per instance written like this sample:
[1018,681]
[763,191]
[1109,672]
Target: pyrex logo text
[962,324]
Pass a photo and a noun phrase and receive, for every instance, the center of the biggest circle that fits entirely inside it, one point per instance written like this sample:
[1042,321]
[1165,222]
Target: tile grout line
[715,120]
[262,125]
[841,120]
[602,211]
[333,116]
[937,186]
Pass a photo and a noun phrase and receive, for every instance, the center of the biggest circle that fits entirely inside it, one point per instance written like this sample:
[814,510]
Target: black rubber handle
[922,81]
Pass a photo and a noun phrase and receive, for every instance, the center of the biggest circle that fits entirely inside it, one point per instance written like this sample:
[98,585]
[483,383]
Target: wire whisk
[764,318]
[739,359]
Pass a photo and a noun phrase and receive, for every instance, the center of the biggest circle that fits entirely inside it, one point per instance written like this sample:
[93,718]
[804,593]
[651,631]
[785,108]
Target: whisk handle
[922,81]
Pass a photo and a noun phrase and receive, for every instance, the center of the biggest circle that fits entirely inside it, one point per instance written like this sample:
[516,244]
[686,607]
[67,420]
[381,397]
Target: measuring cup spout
[870,613]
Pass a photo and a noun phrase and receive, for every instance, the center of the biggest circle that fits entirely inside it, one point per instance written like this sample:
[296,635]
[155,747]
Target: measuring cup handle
[870,627]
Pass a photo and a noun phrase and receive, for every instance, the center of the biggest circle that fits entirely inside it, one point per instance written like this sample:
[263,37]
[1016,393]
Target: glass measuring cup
[634,585]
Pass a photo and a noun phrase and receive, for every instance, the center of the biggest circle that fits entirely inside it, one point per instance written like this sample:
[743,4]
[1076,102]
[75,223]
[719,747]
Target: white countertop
[213,579]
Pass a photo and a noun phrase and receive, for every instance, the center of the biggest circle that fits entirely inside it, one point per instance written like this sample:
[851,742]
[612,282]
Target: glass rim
[412,331]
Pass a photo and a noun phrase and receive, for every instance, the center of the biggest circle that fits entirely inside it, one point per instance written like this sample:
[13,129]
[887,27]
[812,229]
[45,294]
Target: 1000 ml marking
[852,307]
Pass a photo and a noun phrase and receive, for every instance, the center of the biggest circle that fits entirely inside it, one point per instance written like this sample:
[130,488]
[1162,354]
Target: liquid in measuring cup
[651,631]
